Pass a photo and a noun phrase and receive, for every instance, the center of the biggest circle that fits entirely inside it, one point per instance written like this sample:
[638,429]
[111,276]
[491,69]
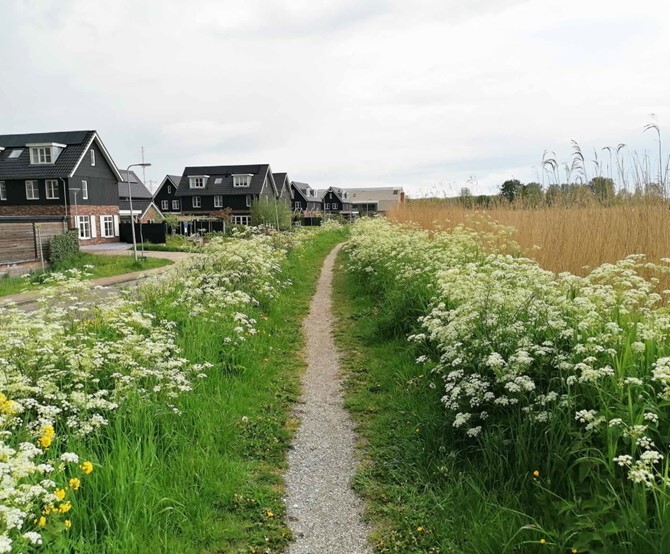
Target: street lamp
[130,198]
[76,208]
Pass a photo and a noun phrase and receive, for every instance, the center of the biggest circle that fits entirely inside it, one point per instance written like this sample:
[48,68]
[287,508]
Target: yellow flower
[48,509]
[67,523]
[75,483]
[60,493]
[270,514]
[42,521]
[47,437]
[87,467]
[536,473]
[574,551]
[542,541]
[420,529]
[65,507]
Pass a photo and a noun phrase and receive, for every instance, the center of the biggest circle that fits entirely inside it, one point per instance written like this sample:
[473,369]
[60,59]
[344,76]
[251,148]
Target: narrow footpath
[324,513]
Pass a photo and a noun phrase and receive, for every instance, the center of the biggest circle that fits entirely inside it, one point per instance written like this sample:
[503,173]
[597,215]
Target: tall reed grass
[574,239]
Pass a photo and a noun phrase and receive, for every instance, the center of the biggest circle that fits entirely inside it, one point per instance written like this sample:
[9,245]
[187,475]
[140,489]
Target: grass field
[201,366]
[561,239]
[505,408]
[88,266]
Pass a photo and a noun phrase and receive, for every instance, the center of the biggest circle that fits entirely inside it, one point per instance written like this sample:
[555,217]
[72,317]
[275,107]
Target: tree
[275,213]
[532,194]
[602,188]
[510,189]
[172,221]
[465,196]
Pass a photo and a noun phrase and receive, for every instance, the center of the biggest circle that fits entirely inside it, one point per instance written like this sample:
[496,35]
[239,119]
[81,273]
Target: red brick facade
[152,213]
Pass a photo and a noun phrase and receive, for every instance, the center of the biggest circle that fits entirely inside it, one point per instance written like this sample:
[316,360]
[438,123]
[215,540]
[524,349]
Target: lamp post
[130,199]
[76,209]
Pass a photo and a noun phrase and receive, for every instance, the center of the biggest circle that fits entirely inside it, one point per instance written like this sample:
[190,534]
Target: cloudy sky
[430,95]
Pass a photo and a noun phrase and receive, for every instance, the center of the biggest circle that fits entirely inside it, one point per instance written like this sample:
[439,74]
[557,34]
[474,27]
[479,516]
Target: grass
[563,239]
[421,497]
[103,266]
[209,480]
[173,243]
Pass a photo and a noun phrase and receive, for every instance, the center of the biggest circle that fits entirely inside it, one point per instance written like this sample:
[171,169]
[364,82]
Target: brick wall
[152,213]
[32,210]
[96,211]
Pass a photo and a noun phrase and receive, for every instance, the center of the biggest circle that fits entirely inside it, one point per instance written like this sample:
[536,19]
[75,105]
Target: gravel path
[324,513]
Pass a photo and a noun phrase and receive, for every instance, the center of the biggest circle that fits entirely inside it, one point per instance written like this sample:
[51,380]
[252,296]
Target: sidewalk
[34,295]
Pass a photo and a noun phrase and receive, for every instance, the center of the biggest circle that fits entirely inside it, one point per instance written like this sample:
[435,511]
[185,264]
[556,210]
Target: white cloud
[340,92]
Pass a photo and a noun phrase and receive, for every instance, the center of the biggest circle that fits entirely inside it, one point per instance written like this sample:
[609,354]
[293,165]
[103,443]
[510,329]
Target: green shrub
[274,213]
[64,247]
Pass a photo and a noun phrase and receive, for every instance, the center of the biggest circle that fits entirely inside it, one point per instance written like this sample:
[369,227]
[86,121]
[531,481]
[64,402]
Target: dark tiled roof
[302,186]
[138,204]
[279,178]
[225,174]
[174,179]
[20,167]
[137,188]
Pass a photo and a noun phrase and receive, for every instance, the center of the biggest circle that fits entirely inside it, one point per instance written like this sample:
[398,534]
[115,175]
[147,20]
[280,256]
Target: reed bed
[574,239]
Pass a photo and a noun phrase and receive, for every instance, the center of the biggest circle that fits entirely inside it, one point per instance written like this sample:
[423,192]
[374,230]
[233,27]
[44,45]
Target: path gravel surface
[324,513]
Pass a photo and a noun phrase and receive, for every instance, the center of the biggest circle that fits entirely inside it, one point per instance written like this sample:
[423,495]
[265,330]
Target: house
[144,209]
[68,175]
[305,199]
[371,200]
[283,187]
[217,191]
[336,201]
[165,196]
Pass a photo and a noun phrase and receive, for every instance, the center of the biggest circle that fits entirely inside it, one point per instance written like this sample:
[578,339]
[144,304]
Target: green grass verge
[210,479]
[103,266]
[419,499]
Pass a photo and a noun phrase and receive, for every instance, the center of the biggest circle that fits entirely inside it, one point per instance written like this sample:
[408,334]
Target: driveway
[122,248]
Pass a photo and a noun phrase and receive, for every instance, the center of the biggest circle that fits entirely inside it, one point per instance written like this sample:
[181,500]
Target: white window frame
[3,191]
[92,157]
[34,189]
[175,205]
[41,155]
[84,224]
[84,189]
[218,201]
[105,221]
[196,201]
[165,204]
[298,205]
[197,181]
[169,189]
[241,220]
[248,200]
[242,180]
[51,186]
[327,206]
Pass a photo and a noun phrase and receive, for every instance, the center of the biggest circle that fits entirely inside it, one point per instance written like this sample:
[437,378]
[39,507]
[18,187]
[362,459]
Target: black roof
[220,180]
[137,188]
[138,203]
[174,179]
[20,167]
[303,187]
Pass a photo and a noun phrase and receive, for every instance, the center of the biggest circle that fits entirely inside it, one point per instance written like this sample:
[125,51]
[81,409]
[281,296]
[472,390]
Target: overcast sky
[428,94]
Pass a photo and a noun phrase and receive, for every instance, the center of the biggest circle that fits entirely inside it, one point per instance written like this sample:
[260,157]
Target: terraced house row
[54,181]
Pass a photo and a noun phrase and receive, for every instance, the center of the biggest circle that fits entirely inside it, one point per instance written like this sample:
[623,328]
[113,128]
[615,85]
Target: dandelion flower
[87,467]
[67,523]
[75,483]
[60,494]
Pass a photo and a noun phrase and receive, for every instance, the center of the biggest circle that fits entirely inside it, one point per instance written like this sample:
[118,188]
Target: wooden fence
[27,241]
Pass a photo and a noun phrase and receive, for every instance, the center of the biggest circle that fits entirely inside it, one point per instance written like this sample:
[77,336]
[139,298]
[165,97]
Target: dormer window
[242,180]
[197,181]
[44,153]
[15,153]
